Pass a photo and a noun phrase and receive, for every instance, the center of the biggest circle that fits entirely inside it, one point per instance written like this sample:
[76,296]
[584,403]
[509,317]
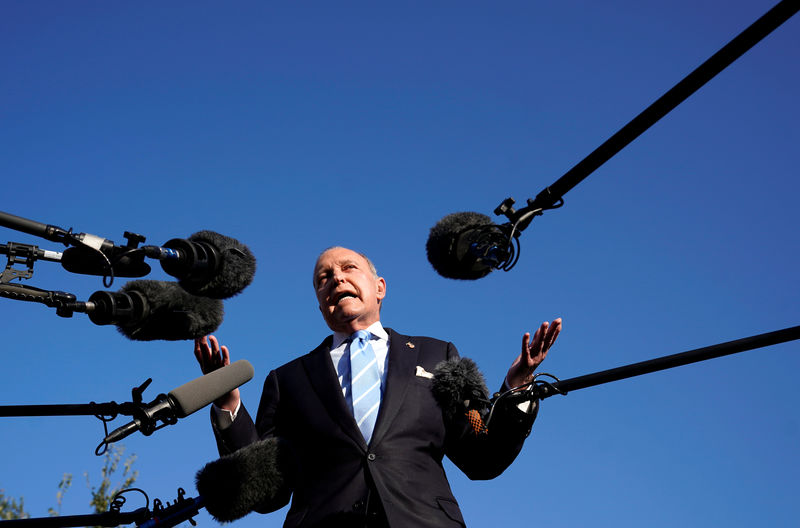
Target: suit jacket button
[371,457]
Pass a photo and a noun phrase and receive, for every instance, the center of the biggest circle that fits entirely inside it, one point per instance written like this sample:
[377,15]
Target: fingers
[553,332]
[202,353]
[546,335]
[210,355]
[537,347]
[213,344]
[217,356]
[226,356]
[543,339]
[534,351]
[528,343]
[198,349]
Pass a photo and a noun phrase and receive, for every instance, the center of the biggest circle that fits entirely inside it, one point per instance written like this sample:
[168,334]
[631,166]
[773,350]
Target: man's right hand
[211,356]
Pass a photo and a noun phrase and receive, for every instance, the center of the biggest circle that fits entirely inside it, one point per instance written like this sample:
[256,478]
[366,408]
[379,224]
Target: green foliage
[63,486]
[102,494]
[11,509]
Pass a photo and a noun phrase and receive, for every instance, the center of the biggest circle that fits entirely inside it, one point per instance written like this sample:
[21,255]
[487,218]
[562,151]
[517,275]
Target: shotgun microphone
[99,256]
[90,254]
[147,310]
[469,246]
[184,400]
[207,263]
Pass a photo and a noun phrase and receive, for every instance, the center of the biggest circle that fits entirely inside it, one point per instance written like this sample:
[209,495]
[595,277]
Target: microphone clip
[534,391]
[93,255]
[183,509]
[147,418]
[138,392]
[537,389]
[155,415]
[18,254]
[521,219]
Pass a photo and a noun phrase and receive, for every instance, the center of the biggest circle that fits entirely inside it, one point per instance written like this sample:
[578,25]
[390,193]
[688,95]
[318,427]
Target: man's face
[349,295]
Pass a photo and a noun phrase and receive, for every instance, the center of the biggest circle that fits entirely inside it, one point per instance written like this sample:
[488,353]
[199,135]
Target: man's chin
[341,321]
[348,309]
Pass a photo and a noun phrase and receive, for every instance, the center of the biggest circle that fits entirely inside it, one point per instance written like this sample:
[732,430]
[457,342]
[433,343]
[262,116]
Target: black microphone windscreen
[198,393]
[236,269]
[447,246]
[173,314]
[241,482]
[455,381]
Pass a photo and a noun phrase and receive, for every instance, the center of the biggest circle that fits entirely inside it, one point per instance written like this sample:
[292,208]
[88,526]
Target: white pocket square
[422,373]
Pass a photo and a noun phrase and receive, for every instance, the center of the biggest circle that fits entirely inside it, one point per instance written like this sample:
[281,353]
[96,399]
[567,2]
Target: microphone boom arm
[182,509]
[109,518]
[146,416]
[551,197]
[63,302]
[48,232]
[539,389]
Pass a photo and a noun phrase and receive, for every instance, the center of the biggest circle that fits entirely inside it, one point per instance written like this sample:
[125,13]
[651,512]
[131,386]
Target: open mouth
[345,295]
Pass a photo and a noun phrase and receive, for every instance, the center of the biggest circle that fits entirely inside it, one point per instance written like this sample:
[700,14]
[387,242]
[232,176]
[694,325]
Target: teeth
[344,296]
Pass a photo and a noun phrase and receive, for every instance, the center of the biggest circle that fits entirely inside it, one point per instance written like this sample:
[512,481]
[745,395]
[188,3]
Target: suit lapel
[403,355]
[325,382]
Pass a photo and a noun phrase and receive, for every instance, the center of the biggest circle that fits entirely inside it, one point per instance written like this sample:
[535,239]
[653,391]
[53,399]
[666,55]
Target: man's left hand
[533,353]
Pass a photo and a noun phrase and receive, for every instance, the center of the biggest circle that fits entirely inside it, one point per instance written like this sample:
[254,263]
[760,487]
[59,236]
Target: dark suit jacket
[335,473]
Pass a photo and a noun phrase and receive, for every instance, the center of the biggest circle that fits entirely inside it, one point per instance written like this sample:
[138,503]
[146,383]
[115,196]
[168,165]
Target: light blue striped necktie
[365,382]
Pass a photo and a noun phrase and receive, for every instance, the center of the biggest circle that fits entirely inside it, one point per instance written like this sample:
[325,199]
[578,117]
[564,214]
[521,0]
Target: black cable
[103,444]
[525,392]
[117,501]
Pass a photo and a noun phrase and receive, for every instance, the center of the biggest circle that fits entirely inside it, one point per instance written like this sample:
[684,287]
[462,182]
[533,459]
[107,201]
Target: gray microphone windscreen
[455,381]
[199,392]
[172,313]
[250,479]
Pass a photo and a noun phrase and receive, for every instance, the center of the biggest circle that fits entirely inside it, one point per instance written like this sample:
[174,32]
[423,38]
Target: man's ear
[381,288]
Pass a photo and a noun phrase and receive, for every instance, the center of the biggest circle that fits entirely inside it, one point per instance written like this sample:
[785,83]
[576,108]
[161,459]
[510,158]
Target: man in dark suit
[370,464]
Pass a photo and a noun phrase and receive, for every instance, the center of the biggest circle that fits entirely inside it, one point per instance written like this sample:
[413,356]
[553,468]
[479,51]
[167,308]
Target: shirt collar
[375,329]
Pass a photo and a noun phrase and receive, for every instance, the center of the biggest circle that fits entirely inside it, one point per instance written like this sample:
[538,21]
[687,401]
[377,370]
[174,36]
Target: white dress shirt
[380,345]
[341,363]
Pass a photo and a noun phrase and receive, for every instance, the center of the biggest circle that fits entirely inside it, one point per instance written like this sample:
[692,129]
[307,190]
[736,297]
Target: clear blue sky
[268,122]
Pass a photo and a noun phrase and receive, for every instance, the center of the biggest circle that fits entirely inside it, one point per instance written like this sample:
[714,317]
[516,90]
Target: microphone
[92,255]
[469,246]
[231,487]
[147,310]
[185,400]
[95,255]
[207,263]
[250,479]
[460,389]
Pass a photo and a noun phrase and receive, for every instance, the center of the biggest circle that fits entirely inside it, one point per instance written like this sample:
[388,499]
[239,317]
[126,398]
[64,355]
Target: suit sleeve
[484,456]
[243,432]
